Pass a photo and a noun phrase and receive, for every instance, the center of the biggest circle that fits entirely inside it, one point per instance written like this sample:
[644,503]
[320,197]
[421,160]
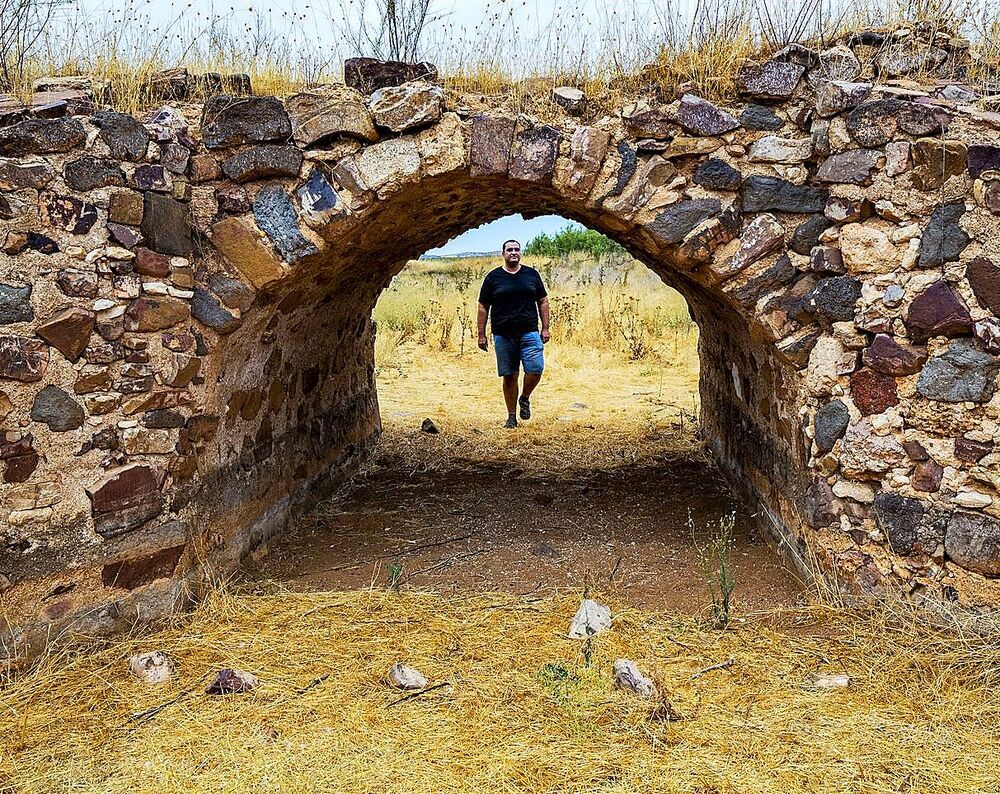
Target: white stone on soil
[403,676]
[628,676]
[590,619]
[154,667]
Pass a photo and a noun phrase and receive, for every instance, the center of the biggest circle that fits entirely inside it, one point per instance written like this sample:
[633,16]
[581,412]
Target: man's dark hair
[504,246]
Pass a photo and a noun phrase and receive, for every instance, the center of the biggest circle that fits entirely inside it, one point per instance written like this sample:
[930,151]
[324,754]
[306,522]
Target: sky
[490,236]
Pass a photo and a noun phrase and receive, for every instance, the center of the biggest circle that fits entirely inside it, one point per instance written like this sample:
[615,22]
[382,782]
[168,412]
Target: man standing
[516,296]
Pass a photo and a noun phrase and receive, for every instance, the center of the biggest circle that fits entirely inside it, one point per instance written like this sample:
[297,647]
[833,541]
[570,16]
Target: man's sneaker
[525,407]
[511,421]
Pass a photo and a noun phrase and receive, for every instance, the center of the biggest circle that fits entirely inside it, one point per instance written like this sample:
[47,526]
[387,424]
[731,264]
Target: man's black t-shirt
[513,299]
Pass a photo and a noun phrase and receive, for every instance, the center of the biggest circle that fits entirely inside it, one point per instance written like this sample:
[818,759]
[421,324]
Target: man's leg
[508,368]
[534,362]
[510,392]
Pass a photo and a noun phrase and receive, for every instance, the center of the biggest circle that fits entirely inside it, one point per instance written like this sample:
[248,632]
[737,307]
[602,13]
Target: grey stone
[776,149]
[853,166]
[758,117]
[407,106]
[984,278]
[88,173]
[700,117]
[489,147]
[174,157]
[207,309]
[232,292]
[916,118]
[370,74]
[57,409]
[836,297]
[230,121]
[798,53]
[768,193]
[533,154]
[263,162]
[780,274]
[572,99]
[166,225]
[770,80]
[899,518]
[674,223]
[151,177]
[15,305]
[328,111]
[836,96]
[837,63]
[627,169]
[317,198]
[654,124]
[818,504]
[716,174]
[874,123]
[41,136]
[963,373]
[15,175]
[276,217]
[903,59]
[829,424]
[806,235]
[973,541]
[125,136]
[943,239]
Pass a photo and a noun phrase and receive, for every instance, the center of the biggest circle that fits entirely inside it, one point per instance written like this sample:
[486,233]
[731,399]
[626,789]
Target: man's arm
[543,311]
[481,323]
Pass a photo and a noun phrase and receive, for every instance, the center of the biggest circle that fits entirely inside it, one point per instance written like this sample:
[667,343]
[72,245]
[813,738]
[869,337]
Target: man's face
[512,253]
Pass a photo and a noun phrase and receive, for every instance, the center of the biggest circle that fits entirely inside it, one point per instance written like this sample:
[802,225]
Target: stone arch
[200,363]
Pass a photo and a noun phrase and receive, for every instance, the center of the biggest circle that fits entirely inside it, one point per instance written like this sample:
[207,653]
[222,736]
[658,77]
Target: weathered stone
[150,263]
[229,121]
[18,174]
[318,199]
[935,160]
[973,541]
[66,212]
[899,60]
[203,168]
[68,331]
[175,157]
[573,100]
[774,149]
[758,117]
[77,283]
[166,225]
[126,236]
[961,374]
[770,80]
[654,124]
[533,154]
[897,158]
[873,392]
[181,370]
[55,408]
[276,217]
[387,166]
[244,246]
[818,504]
[577,174]
[836,96]
[87,173]
[771,194]
[125,499]
[824,259]
[233,199]
[836,297]
[263,162]
[888,356]
[699,245]
[41,243]
[716,174]
[915,118]
[233,293]
[407,106]
[838,63]
[984,277]
[874,123]
[156,314]
[926,477]
[626,170]
[151,177]
[867,249]
[700,117]
[674,223]
[163,419]
[853,167]
[41,136]
[370,74]
[92,380]
[971,450]
[691,146]
[15,304]
[981,158]
[780,274]
[329,111]
[899,518]
[22,358]
[829,424]
[762,236]
[125,137]
[938,311]
[207,309]
[806,235]
[125,206]
[987,331]
[840,209]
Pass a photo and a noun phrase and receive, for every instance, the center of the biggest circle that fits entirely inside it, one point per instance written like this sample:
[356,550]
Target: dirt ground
[604,488]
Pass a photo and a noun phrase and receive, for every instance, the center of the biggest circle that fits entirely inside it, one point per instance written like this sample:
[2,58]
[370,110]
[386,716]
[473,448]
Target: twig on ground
[422,692]
[726,665]
[312,684]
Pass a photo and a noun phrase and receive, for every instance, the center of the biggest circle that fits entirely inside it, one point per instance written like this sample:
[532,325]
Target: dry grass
[523,709]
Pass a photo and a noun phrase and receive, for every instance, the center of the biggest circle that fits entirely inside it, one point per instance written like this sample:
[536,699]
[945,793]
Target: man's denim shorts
[519,349]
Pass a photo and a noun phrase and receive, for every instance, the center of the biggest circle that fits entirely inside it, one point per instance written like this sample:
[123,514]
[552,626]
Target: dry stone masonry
[186,350]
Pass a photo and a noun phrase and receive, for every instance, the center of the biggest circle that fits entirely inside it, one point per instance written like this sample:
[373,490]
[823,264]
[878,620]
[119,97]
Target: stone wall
[186,351]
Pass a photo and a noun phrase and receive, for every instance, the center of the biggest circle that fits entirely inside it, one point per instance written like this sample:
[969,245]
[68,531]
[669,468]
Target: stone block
[246,249]
[166,225]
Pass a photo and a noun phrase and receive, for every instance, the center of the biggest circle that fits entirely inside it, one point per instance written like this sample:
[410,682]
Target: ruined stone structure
[186,350]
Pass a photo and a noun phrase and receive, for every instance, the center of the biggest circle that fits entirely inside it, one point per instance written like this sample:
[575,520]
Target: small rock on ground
[229,681]
[403,676]
[628,676]
[154,667]
[590,619]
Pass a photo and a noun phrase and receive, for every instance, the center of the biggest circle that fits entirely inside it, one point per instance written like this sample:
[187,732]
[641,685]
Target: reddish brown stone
[970,451]
[130,574]
[157,400]
[233,199]
[93,381]
[886,355]
[68,331]
[66,212]
[203,168]
[490,146]
[873,392]
[150,263]
[18,456]
[156,314]
[124,499]
[77,283]
[938,311]
[927,476]
[915,450]
[984,277]
[125,206]
[22,358]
